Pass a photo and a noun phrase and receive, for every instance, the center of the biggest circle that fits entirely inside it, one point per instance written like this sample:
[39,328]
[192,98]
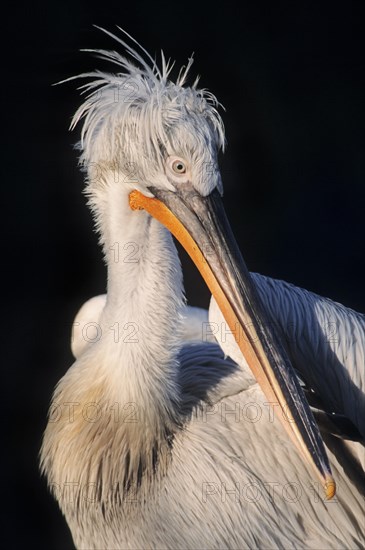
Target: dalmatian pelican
[154,438]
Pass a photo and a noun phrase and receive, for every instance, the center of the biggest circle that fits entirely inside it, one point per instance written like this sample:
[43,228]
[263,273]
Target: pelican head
[158,142]
[149,130]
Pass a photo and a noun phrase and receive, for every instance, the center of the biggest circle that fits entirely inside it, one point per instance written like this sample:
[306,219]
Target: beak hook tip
[329,486]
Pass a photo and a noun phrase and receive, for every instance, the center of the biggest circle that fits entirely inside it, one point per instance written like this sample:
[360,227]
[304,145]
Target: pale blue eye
[179,167]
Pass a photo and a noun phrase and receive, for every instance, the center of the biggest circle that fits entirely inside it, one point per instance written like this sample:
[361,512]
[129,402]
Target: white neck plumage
[145,296]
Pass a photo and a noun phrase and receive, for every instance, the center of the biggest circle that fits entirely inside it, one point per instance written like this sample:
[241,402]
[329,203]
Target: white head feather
[136,118]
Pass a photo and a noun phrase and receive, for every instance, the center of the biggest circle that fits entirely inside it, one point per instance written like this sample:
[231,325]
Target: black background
[291,77]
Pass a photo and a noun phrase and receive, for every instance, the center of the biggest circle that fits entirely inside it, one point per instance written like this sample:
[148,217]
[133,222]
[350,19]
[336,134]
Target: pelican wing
[326,342]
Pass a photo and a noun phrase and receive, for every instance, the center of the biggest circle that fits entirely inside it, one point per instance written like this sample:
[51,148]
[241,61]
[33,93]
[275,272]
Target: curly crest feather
[138,116]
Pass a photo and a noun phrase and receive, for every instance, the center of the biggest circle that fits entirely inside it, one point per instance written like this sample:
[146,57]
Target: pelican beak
[201,226]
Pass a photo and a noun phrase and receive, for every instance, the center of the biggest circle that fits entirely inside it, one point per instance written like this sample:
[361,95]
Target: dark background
[291,77]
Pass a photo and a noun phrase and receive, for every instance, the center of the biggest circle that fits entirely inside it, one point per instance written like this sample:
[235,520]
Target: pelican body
[155,441]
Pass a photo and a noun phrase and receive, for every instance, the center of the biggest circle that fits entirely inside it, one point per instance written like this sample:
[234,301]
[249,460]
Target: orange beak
[201,226]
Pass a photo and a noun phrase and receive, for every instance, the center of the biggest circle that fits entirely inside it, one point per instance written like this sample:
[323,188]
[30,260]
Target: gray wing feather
[326,342]
[207,375]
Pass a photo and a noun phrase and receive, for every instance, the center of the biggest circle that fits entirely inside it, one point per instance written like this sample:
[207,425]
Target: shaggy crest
[135,118]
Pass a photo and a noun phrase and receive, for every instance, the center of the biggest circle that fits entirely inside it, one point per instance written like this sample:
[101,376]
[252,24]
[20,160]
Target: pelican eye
[179,167]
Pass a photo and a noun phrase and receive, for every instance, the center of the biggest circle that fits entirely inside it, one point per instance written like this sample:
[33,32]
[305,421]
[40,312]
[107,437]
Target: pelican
[154,438]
